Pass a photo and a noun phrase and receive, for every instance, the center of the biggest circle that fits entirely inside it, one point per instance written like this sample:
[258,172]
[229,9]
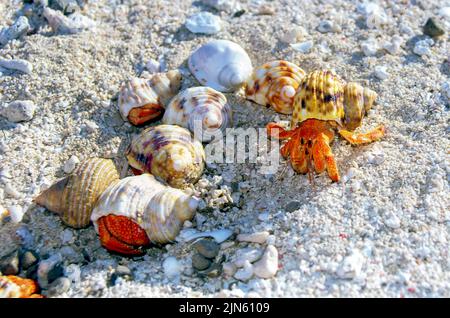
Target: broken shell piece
[74,196]
[275,84]
[221,64]
[199,107]
[140,210]
[72,24]
[168,152]
[142,100]
[191,234]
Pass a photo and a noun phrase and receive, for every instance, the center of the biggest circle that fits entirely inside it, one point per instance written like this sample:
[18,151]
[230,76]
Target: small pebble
[17,65]
[9,264]
[70,164]
[91,127]
[293,35]
[266,9]
[369,47]
[392,221]
[446,89]
[229,268]
[19,111]
[259,237]
[204,22]
[394,46]
[293,206]
[72,24]
[28,259]
[15,31]
[199,262]
[303,47]
[351,265]
[267,266]
[73,272]
[16,213]
[245,273]
[123,272]
[49,270]
[433,28]
[327,26]
[207,248]
[247,255]
[223,5]
[59,286]
[153,66]
[381,72]
[374,14]
[171,267]
[423,47]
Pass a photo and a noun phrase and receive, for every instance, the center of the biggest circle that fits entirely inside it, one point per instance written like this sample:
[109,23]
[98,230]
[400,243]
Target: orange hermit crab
[17,287]
[322,103]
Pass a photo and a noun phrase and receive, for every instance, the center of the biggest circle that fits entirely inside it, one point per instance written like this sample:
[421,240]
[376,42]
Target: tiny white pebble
[91,126]
[381,72]
[18,65]
[392,221]
[259,237]
[153,66]
[70,164]
[267,266]
[423,47]
[369,47]
[16,213]
[303,47]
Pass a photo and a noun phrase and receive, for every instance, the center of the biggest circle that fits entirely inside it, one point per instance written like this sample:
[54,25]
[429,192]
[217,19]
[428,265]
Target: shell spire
[142,100]
[74,196]
[168,152]
[275,84]
[199,107]
[358,101]
[220,64]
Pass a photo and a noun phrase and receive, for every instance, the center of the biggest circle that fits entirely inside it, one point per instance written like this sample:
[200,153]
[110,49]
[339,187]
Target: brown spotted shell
[274,84]
[74,196]
[199,108]
[157,208]
[156,91]
[168,152]
[323,95]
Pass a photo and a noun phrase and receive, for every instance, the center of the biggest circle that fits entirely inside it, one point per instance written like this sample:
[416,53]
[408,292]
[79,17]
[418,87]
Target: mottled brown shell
[75,196]
[358,101]
[275,84]
[319,96]
[168,152]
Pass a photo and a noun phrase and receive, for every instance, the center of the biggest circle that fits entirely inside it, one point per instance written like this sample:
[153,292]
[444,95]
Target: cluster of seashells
[131,213]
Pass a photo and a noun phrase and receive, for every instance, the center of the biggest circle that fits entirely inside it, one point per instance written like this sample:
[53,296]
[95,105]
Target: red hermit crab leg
[363,138]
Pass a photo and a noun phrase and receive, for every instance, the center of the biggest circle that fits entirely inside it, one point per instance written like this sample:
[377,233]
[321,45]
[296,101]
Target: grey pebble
[207,248]
[15,31]
[9,264]
[433,28]
[122,272]
[59,286]
[200,262]
[67,6]
[20,110]
[28,259]
[293,206]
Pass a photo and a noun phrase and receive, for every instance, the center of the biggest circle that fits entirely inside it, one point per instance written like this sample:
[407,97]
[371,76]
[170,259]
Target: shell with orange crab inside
[322,103]
[138,211]
[12,286]
[144,100]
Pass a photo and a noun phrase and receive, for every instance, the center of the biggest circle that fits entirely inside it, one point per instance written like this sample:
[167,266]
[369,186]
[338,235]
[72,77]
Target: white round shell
[221,64]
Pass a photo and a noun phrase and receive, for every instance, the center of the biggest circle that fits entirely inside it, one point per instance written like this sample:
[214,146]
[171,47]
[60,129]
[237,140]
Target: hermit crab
[137,211]
[322,103]
[143,100]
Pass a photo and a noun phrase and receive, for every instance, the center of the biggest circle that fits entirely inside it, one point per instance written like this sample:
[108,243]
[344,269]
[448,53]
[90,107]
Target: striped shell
[220,64]
[155,92]
[159,209]
[74,196]
[199,107]
[323,95]
[275,84]
[168,152]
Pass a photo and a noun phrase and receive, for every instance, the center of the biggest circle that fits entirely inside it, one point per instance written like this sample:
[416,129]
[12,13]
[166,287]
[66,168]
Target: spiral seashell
[275,84]
[74,196]
[220,64]
[142,100]
[199,107]
[358,101]
[168,152]
[157,209]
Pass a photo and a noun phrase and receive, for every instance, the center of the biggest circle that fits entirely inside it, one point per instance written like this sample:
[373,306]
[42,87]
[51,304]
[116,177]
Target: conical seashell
[221,64]
[74,196]
[275,84]
[141,100]
[168,152]
[158,209]
[358,101]
[199,107]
